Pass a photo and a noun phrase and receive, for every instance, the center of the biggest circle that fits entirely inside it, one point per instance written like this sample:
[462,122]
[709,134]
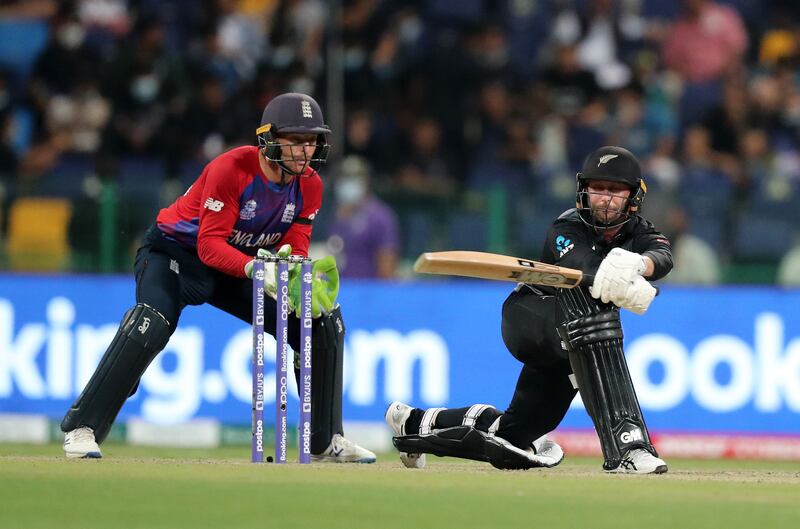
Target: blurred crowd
[464,121]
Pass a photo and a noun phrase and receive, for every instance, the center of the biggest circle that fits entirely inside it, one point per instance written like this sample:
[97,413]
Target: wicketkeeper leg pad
[592,335]
[327,357]
[142,334]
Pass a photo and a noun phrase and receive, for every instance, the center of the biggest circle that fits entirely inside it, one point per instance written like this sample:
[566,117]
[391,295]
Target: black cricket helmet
[613,164]
[292,113]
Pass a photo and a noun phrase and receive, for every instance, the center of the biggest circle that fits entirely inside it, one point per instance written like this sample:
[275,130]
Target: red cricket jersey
[232,210]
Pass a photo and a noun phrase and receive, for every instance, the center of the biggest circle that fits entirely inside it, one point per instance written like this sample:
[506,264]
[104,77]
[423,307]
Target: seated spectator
[728,119]
[427,171]
[638,125]
[768,180]
[604,35]
[704,46]
[81,114]
[372,136]
[65,54]
[707,42]
[695,261]
[702,165]
[212,121]
[150,94]
[364,236]
[569,86]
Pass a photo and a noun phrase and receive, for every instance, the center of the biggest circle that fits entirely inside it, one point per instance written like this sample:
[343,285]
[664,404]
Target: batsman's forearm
[662,263]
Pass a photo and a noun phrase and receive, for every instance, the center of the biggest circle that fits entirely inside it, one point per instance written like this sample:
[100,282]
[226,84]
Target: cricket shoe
[640,461]
[343,450]
[396,416]
[80,443]
[547,451]
[543,453]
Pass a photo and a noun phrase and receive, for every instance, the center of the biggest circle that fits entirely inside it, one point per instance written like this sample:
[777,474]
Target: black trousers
[544,391]
[168,278]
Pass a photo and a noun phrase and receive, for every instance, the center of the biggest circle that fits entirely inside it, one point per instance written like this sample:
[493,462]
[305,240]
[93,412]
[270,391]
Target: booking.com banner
[703,360]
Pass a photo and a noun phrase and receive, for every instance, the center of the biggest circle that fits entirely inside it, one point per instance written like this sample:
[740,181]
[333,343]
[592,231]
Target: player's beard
[607,213]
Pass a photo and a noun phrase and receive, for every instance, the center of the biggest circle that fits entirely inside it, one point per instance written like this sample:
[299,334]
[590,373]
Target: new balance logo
[213,205]
[305,106]
[633,435]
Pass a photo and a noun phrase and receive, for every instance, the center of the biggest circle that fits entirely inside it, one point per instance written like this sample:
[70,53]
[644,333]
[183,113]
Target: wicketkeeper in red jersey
[248,201]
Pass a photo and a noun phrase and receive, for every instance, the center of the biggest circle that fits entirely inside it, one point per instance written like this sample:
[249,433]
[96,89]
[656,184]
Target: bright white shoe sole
[409,460]
[83,455]
[342,450]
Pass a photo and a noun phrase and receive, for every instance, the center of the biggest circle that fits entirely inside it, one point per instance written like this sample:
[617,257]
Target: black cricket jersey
[573,244]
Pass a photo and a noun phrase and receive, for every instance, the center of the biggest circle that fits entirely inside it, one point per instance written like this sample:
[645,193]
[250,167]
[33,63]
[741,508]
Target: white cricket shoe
[547,452]
[543,453]
[343,450]
[640,461]
[80,443]
[396,416]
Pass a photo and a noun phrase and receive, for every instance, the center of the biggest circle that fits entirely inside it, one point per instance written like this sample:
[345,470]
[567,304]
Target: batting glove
[270,269]
[638,296]
[615,274]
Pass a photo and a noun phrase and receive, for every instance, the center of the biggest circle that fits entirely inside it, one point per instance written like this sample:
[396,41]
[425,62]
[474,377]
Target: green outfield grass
[220,489]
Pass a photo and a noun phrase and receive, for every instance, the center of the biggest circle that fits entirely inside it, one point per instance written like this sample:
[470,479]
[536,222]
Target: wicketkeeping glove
[324,287]
[270,269]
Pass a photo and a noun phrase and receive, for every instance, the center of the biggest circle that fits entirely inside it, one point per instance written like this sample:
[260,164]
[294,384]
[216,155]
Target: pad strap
[594,328]
[494,427]
[428,420]
[473,412]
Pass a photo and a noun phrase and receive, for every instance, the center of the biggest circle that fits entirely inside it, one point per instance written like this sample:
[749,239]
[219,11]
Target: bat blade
[498,267]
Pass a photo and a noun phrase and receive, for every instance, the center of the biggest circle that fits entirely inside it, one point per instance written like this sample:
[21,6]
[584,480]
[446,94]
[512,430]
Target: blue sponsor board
[704,360]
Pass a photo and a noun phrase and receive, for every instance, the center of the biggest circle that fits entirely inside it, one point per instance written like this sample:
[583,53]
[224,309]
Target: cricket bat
[497,267]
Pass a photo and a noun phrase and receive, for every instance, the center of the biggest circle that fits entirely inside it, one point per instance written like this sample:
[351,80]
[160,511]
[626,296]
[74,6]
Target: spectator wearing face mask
[65,54]
[150,95]
[365,235]
[64,94]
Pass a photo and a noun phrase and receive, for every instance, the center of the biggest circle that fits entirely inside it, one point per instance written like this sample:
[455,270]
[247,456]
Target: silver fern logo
[606,158]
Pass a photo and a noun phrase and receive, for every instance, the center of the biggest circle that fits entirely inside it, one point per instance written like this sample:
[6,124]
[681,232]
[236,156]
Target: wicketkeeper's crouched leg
[142,334]
[327,434]
[327,355]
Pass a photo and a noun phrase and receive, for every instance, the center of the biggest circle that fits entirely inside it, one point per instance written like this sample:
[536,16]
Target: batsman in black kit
[568,340]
